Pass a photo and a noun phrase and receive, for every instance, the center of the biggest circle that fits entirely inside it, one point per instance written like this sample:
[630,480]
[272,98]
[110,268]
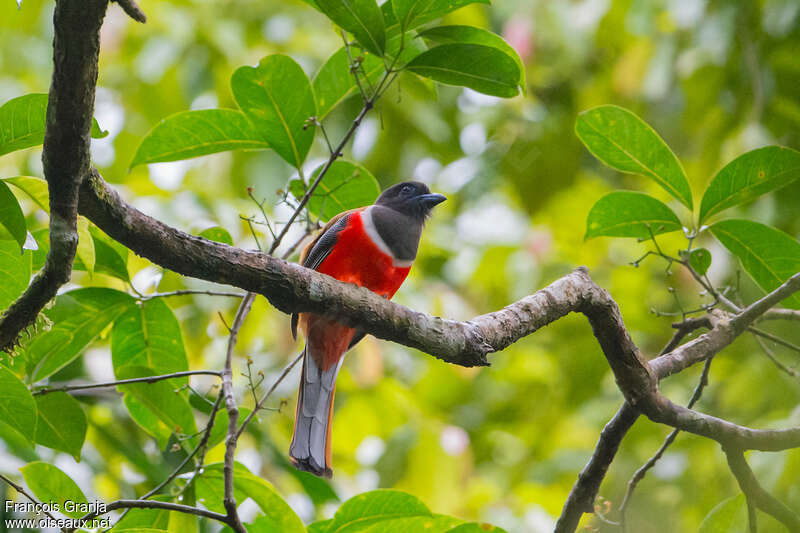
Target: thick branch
[292,288]
[584,491]
[66,157]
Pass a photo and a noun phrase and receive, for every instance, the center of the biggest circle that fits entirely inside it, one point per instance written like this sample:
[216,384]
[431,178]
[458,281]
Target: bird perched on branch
[372,247]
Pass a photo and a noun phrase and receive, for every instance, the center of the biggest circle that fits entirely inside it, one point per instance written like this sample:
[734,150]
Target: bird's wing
[317,250]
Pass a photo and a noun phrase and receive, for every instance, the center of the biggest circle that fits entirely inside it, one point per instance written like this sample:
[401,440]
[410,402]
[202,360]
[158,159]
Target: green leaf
[195,133]
[11,217]
[108,259]
[769,255]
[148,335]
[700,260]
[729,516]
[22,123]
[362,18]
[62,423]
[277,98]
[625,142]
[17,407]
[15,271]
[475,527]
[482,68]
[321,526]
[36,188]
[413,13]
[470,34]
[278,515]
[49,484]
[345,186]
[78,317]
[163,398]
[376,506]
[630,214]
[749,176]
[85,251]
[147,420]
[217,234]
[334,82]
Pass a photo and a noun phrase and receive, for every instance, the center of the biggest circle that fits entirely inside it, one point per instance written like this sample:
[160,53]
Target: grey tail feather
[308,450]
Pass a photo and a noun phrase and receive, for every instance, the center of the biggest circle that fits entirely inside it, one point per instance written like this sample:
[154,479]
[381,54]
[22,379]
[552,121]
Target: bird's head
[410,198]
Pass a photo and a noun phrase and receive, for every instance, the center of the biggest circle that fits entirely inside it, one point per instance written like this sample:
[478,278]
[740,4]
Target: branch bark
[66,157]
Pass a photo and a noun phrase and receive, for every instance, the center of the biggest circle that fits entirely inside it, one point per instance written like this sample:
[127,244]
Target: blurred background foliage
[502,444]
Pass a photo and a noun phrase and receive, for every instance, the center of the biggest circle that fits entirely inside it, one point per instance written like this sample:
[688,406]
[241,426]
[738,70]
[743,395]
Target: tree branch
[229,499]
[756,494]
[65,157]
[584,491]
[147,379]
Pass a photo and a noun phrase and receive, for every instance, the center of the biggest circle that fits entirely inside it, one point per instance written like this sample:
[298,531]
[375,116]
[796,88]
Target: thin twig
[642,471]
[229,498]
[264,398]
[147,379]
[774,338]
[187,292]
[22,491]
[754,492]
[771,356]
[132,10]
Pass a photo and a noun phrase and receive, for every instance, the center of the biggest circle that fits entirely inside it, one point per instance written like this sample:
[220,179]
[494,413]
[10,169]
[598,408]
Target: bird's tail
[311,442]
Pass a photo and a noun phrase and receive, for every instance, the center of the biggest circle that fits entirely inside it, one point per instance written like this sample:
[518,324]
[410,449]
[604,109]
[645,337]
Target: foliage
[499,445]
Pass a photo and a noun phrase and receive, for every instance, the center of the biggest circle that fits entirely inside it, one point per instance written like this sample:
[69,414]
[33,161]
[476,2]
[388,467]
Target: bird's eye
[407,189]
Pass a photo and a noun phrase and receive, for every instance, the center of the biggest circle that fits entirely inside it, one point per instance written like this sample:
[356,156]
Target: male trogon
[373,247]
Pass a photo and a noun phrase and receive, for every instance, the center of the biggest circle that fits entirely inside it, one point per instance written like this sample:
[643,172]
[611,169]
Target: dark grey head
[410,198]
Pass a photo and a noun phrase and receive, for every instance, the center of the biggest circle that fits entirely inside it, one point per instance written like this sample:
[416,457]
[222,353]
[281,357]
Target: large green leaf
[278,515]
[11,217]
[413,13]
[62,423]
[35,188]
[49,484]
[148,335]
[749,176]
[108,258]
[277,98]
[17,407]
[729,516]
[630,214]
[625,142]
[163,398]
[345,186]
[369,508]
[769,255]
[471,34]
[195,133]
[15,272]
[78,317]
[147,420]
[334,81]
[22,123]
[362,18]
[485,69]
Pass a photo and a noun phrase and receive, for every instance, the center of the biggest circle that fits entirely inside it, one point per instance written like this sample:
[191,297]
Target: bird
[373,247]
